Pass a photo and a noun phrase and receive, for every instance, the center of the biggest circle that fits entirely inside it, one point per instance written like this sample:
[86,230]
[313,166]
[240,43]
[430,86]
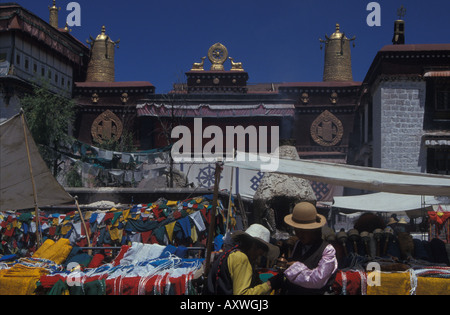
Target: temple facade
[397,118]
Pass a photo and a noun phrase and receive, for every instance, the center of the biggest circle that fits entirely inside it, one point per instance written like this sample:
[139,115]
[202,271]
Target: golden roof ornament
[217,54]
[338,64]
[101,63]
[198,66]
[53,20]
[236,66]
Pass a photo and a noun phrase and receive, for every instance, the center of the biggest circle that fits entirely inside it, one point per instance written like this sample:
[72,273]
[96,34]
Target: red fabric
[119,257]
[48,282]
[108,216]
[177,215]
[439,219]
[179,284]
[353,286]
[9,233]
[128,286]
[146,236]
[96,261]
[207,217]
[52,230]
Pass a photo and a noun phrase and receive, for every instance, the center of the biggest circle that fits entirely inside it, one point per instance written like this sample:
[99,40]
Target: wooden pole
[84,224]
[36,208]
[229,200]
[212,215]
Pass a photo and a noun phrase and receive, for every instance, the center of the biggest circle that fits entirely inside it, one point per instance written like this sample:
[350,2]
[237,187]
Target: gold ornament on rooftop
[53,20]
[236,66]
[101,63]
[217,54]
[198,66]
[338,63]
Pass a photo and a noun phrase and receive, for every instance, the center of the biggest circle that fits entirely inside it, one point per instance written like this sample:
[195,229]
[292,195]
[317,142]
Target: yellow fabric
[116,234]
[125,214]
[432,286]
[56,252]
[20,280]
[169,228]
[194,235]
[241,272]
[395,283]
[65,229]
[171,203]
[43,248]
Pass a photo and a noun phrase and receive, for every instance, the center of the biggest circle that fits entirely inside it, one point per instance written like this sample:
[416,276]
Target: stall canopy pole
[229,200]
[36,208]
[212,223]
[84,224]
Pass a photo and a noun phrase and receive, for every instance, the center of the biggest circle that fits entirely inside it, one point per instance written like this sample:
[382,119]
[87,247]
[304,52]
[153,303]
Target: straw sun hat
[258,233]
[304,216]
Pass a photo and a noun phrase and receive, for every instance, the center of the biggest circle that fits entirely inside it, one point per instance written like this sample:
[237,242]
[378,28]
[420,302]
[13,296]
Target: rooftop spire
[399,28]
[53,20]
[338,64]
[101,64]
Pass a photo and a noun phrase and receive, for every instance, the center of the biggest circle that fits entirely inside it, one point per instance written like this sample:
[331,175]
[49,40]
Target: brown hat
[305,216]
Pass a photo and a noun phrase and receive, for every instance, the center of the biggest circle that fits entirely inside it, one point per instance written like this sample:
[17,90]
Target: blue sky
[277,41]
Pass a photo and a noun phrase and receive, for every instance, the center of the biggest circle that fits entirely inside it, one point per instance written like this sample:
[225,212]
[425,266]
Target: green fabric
[97,287]
[59,288]
[25,217]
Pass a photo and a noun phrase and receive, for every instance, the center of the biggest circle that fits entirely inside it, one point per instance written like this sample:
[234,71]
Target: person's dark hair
[246,242]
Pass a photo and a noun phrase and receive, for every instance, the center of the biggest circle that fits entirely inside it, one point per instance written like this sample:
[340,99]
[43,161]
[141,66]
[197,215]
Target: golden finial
[67,29]
[102,35]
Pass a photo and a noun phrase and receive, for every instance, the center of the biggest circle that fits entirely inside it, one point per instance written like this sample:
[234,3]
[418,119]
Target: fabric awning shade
[207,110]
[364,178]
[16,189]
[386,202]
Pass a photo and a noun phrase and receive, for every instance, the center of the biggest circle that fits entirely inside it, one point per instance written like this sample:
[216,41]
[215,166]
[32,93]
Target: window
[42,71]
[35,67]
[27,64]
[443,100]
[56,78]
[438,161]
[17,59]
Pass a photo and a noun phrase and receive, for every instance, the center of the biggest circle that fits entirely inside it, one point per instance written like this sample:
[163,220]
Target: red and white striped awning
[219,111]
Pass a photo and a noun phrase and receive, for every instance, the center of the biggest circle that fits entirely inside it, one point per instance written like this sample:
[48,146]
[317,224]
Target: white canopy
[386,202]
[16,189]
[364,178]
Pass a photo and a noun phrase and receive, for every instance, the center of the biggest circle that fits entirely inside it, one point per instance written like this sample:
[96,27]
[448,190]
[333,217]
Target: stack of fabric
[433,280]
[20,276]
[137,270]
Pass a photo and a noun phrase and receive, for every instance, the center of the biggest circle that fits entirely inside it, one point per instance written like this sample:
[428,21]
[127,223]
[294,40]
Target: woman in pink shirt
[313,263]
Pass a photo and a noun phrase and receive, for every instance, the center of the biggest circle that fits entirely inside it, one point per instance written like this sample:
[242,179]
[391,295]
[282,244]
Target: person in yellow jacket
[233,273]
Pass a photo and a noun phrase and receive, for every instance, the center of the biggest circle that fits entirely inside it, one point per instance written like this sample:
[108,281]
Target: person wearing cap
[233,273]
[313,262]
